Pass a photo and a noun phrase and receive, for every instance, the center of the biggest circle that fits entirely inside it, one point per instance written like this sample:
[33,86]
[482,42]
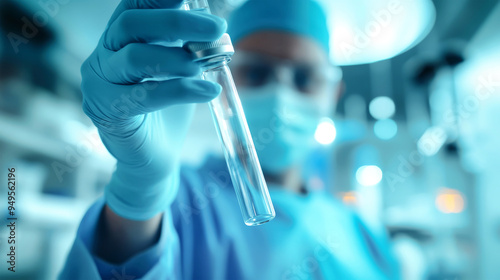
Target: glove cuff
[140,200]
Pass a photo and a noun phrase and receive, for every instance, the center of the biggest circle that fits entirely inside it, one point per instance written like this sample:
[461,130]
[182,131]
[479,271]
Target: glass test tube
[227,112]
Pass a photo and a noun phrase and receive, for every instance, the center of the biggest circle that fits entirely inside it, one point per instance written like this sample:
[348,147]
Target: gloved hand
[130,113]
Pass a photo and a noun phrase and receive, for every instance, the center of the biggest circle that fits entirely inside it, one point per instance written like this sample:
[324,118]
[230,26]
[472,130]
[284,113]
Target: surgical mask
[282,122]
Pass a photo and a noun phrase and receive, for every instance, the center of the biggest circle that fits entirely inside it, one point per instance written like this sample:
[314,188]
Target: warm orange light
[349,198]
[450,201]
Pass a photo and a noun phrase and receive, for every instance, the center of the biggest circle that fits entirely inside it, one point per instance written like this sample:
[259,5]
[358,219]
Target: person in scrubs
[159,219]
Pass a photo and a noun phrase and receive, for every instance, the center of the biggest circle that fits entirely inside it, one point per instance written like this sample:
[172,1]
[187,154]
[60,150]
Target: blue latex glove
[130,113]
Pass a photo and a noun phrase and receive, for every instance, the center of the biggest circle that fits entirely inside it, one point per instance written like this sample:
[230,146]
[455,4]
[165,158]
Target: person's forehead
[279,44]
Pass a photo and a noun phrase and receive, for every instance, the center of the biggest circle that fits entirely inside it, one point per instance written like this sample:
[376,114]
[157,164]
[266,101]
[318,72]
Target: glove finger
[136,62]
[144,4]
[156,95]
[162,26]
[178,91]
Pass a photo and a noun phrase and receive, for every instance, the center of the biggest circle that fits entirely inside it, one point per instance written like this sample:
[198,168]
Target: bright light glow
[381,29]
[325,132]
[369,175]
[349,198]
[450,201]
[385,129]
[431,141]
[382,107]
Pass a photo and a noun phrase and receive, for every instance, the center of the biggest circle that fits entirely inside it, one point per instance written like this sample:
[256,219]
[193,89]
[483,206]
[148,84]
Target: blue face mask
[282,122]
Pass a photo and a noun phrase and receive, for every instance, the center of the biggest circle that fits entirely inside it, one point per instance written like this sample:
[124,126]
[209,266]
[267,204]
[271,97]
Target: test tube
[244,167]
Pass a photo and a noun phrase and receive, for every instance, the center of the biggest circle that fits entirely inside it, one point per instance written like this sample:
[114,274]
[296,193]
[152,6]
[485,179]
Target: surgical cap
[301,17]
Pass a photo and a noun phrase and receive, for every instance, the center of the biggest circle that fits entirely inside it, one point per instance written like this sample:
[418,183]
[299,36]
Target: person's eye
[256,75]
[303,79]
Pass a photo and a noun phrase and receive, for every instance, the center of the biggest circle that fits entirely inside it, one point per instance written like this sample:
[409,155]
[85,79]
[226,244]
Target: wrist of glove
[137,196]
[146,178]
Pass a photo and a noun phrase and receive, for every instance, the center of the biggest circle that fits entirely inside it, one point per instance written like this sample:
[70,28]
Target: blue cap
[301,17]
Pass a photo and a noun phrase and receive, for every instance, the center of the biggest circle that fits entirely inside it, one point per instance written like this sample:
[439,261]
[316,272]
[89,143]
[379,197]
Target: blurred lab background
[413,146]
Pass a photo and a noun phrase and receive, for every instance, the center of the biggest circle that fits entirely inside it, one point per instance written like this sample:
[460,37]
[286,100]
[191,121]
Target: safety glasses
[255,70]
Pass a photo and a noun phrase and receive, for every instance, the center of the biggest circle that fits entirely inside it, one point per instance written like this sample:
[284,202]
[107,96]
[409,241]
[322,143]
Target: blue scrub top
[203,237]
